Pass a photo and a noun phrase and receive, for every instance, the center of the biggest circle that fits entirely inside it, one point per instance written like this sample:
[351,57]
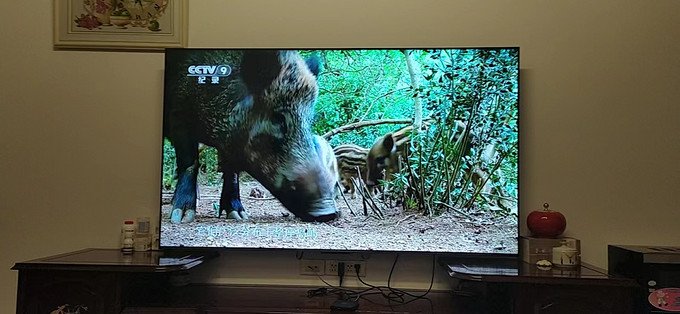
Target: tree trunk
[414,73]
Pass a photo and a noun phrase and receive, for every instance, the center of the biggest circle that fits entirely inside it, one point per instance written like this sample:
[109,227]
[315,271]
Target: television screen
[341,149]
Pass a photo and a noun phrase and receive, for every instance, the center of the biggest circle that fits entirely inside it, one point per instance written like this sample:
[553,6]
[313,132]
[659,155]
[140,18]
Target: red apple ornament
[546,223]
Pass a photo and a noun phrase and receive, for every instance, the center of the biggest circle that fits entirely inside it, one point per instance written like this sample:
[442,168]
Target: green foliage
[208,173]
[450,168]
[169,165]
[361,85]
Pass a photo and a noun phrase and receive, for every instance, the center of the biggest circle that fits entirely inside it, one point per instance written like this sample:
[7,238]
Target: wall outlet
[332,268]
[312,267]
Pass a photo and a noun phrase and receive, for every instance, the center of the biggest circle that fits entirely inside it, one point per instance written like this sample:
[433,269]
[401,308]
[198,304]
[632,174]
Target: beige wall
[600,117]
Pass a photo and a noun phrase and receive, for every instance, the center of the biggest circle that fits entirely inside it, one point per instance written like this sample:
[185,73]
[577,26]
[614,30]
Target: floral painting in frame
[120,24]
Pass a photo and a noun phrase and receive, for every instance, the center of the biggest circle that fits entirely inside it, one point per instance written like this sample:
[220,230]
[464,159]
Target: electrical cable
[379,288]
[394,294]
[431,281]
[339,289]
[397,295]
[341,272]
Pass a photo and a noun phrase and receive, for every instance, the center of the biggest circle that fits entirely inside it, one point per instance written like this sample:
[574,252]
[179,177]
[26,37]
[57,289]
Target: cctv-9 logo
[209,70]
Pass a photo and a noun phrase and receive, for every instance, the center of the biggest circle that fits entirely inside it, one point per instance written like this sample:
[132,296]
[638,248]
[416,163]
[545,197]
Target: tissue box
[535,249]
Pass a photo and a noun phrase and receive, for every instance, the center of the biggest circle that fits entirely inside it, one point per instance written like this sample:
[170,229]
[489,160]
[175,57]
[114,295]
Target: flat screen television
[411,150]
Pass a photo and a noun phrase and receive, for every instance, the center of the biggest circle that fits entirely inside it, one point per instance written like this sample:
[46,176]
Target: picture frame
[120,24]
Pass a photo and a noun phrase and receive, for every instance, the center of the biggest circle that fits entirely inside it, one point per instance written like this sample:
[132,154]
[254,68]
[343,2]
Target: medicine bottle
[127,239]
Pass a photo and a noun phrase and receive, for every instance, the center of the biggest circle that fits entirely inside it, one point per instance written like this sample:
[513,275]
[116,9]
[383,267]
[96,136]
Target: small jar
[565,256]
[142,242]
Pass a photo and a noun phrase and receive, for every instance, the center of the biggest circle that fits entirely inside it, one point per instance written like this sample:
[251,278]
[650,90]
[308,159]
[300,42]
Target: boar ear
[259,68]
[388,142]
[313,65]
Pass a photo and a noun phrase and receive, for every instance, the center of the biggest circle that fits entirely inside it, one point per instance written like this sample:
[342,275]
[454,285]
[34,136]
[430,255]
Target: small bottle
[128,241]
[155,240]
[142,235]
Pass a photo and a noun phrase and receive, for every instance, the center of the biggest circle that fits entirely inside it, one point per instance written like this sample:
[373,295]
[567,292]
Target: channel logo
[214,72]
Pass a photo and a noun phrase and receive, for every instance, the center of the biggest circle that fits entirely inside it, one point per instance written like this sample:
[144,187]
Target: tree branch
[357,125]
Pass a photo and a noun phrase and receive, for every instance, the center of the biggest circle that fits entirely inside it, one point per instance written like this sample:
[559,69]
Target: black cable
[339,289]
[341,272]
[395,294]
[390,296]
[428,289]
[389,278]
[390,304]
[390,299]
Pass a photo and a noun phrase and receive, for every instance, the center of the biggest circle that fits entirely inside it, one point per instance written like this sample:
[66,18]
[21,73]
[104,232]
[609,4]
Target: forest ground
[270,225]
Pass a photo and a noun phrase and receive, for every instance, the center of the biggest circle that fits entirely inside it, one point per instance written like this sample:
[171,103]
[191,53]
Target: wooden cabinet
[106,281]
[43,291]
[547,299]
[96,280]
[530,290]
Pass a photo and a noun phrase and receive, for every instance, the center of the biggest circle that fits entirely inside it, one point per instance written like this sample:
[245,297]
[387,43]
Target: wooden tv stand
[106,281]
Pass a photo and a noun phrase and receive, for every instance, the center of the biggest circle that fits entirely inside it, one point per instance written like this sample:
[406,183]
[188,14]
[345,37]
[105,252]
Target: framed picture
[120,24]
